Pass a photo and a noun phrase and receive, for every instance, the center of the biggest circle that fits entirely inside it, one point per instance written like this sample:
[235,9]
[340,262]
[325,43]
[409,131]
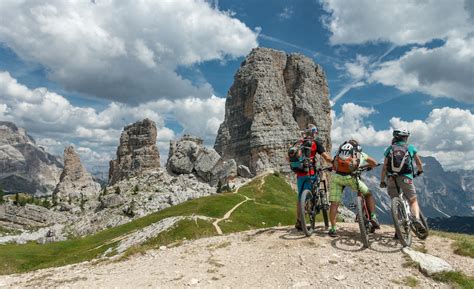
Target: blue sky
[102,68]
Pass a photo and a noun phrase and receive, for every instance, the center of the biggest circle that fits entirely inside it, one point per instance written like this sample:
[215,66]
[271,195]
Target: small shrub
[117,190]
[46,203]
[2,200]
[135,189]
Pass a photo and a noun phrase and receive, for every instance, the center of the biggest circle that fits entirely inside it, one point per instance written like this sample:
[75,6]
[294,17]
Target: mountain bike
[366,225]
[403,220]
[313,201]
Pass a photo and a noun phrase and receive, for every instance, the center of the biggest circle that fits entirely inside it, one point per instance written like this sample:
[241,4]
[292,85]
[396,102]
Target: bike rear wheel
[400,222]
[307,212]
[363,221]
[425,224]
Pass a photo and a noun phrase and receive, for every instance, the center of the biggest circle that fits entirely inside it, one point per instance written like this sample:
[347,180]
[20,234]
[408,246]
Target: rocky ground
[277,257]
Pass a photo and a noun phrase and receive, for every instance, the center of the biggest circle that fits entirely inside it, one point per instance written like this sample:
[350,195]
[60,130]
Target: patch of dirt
[276,257]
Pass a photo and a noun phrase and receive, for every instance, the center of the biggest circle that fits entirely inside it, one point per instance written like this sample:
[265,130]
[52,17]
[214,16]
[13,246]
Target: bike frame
[409,216]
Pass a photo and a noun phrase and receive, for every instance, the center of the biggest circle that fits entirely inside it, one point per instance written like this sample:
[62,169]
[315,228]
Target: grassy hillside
[272,203]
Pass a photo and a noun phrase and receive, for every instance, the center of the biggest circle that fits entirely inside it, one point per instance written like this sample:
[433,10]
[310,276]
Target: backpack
[400,161]
[299,155]
[347,159]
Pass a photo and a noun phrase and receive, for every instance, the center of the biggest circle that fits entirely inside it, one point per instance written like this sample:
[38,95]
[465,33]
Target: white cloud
[444,71]
[350,124]
[447,133]
[398,22]
[286,14]
[124,51]
[58,123]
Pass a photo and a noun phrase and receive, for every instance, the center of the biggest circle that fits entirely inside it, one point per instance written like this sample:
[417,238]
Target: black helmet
[401,133]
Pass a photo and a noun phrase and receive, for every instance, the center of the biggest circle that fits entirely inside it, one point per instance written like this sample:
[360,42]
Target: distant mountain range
[25,166]
[457,224]
[441,194]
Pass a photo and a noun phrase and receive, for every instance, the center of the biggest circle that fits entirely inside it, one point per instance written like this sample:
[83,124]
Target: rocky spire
[136,152]
[75,183]
[273,97]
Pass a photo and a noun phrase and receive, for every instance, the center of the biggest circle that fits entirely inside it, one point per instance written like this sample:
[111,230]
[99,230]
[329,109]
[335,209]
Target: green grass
[463,244]
[31,256]
[457,279]
[410,281]
[274,204]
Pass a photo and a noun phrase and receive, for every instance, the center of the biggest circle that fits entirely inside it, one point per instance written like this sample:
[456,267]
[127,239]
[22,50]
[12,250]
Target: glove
[418,173]
[383,185]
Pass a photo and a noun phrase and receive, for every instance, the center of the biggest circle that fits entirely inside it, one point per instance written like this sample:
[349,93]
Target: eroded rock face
[189,156]
[24,166]
[75,183]
[29,215]
[136,153]
[273,97]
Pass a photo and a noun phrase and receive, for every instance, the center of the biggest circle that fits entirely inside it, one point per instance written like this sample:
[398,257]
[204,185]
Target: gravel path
[276,257]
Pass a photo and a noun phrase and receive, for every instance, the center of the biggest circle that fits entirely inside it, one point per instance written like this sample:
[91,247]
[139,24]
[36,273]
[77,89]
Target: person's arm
[322,152]
[326,157]
[371,162]
[419,165]
[383,184]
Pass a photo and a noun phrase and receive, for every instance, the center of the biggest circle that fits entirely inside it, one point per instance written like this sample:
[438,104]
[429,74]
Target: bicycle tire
[307,212]
[323,200]
[425,223]
[402,230]
[362,218]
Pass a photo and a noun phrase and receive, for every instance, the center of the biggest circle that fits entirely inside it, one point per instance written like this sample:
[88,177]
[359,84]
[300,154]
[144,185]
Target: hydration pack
[300,156]
[347,159]
[400,161]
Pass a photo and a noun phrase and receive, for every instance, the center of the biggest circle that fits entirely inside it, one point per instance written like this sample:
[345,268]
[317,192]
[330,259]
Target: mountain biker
[304,178]
[404,180]
[348,158]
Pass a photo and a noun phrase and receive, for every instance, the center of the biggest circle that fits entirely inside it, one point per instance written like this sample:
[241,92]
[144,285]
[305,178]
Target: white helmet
[400,133]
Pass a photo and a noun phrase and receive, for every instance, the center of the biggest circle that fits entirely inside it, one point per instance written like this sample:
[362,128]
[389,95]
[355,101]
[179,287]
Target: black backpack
[400,160]
[299,155]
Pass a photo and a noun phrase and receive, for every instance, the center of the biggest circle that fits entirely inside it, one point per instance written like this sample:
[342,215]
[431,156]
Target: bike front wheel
[324,204]
[307,212]
[363,221]
[400,222]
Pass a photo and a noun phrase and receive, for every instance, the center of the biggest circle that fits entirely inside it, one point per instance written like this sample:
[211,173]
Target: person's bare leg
[333,213]
[415,210]
[370,203]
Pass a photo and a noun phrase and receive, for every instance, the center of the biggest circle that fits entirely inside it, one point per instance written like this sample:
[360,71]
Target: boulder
[429,264]
[273,97]
[185,153]
[223,172]
[205,163]
[244,171]
[112,201]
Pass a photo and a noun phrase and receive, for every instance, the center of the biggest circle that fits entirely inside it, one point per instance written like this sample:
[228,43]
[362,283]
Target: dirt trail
[276,257]
[229,213]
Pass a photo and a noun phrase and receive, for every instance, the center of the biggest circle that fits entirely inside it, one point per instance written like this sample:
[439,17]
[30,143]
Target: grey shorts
[405,184]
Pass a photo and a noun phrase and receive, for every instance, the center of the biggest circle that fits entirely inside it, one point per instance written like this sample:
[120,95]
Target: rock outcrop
[273,97]
[188,155]
[136,153]
[24,166]
[76,183]
[28,216]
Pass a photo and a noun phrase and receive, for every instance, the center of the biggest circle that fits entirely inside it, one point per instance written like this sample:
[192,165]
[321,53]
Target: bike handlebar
[366,168]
